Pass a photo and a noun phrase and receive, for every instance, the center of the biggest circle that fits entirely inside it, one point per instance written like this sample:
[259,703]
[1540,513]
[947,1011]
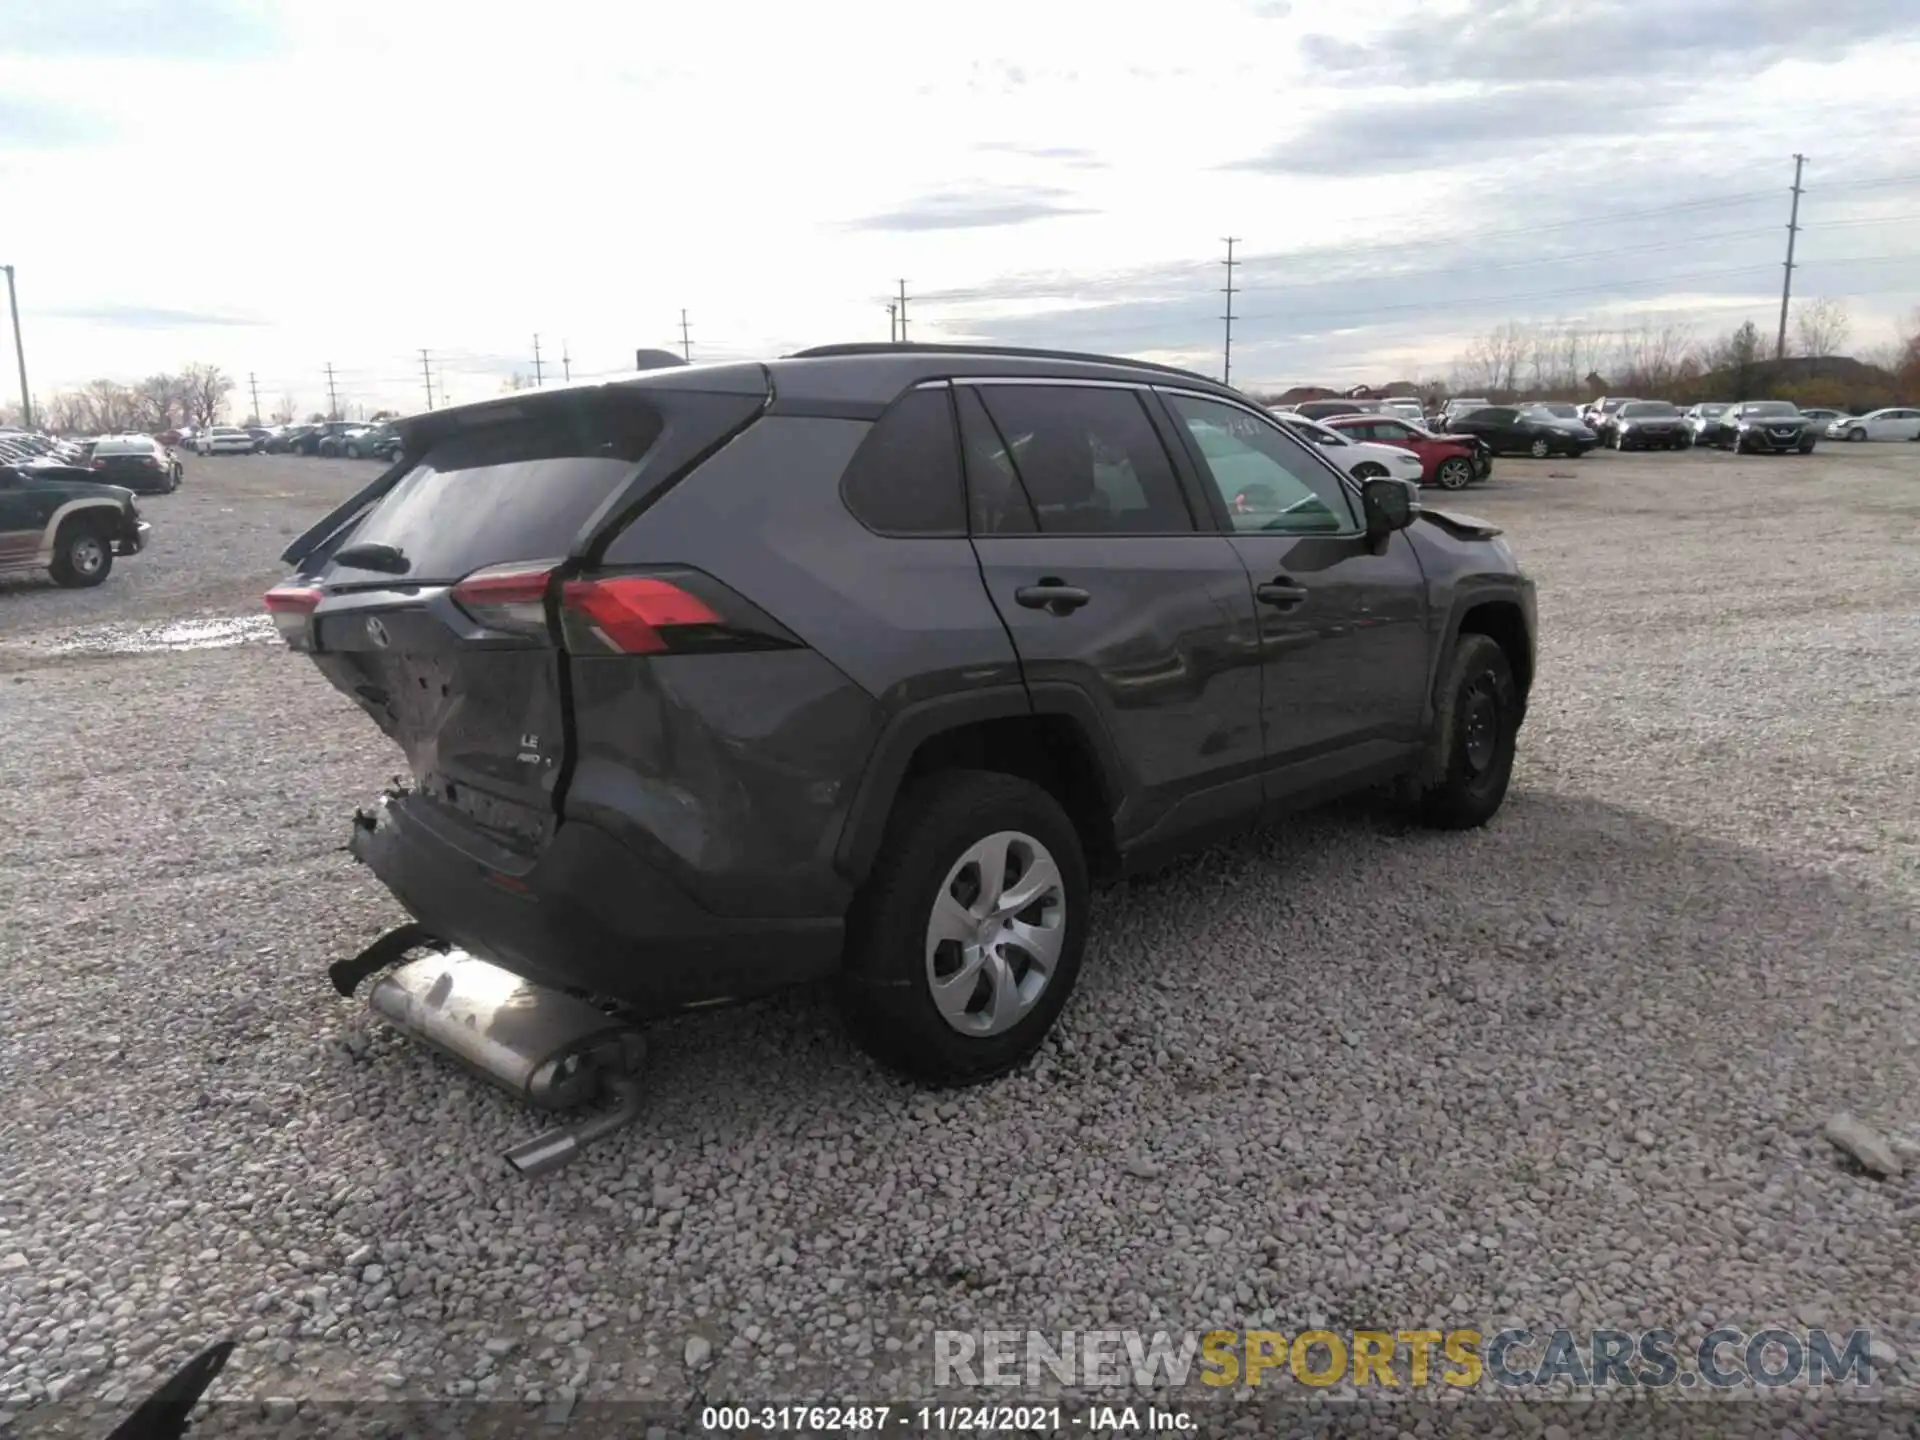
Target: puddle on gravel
[207,633]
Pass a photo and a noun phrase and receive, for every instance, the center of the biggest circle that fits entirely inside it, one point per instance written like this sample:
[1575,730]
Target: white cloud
[362,178]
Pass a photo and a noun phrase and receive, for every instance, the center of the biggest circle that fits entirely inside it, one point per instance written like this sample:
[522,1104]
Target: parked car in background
[379,442]
[1901,422]
[1705,419]
[223,440]
[1455,408]
[139,462]
[261,434]
[1406,409]
[288,439]
[1358,458]
[1647,425]
[330,438]
[1322,409]
[1558,409]
[1452,462]
[1596,415]
[1508,430]
[45,447]
[868,809]
[1771,426]
[66,521]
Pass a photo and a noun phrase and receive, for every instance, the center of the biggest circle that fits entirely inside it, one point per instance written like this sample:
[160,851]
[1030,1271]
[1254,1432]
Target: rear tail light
[291,607]
[635,614]
[99,464]
[512,598]
[662,612]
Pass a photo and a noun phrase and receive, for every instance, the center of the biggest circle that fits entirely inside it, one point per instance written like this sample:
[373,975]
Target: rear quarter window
[905,477]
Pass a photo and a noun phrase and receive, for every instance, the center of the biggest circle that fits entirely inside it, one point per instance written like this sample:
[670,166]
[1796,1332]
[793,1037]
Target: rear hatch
[437,606]
[127,467]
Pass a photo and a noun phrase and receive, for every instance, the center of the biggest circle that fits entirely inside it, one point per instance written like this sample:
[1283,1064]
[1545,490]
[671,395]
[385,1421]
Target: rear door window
[1089,458]
[905,477]
[510,492]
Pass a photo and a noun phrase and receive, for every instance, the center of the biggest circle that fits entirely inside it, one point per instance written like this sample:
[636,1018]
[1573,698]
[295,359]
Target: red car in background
[1452,462]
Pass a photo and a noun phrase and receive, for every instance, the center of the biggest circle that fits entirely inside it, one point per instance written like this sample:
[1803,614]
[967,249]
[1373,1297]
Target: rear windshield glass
[511,492]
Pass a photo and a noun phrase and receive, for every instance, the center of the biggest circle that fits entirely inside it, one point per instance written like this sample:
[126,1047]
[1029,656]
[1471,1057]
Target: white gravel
[1572,1069]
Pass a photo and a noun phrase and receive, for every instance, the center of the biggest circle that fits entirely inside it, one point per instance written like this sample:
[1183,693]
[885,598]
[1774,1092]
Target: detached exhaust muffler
[545,1048]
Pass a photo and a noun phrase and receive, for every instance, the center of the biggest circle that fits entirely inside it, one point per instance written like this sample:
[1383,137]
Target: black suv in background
[869,660]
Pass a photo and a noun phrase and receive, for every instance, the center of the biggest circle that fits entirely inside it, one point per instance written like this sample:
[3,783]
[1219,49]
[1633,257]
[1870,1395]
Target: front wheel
[353,452]
[1368,470]
[81,557]
[1541,448]
[1474,740]
[1454,474]
[1857,433]
[966,939]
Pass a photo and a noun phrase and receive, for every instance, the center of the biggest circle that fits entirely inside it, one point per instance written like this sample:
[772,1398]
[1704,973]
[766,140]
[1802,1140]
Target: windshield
[1649,409]
[1711,409]
[137,446]
[1770,407]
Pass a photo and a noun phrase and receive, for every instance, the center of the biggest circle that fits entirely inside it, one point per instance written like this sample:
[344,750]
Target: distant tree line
[195,395]
[1671,360]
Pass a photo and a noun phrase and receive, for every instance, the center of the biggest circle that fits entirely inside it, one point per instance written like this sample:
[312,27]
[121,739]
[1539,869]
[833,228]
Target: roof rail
[902,347]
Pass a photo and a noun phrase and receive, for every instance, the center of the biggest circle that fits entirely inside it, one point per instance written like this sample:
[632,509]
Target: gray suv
[869,661]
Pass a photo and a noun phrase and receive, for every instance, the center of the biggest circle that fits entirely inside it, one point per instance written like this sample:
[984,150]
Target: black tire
[1369,470]
[1471,766]
[887,988]
[1454,473]
[1858,432]
[1541,448]
[353,451]
[82,555]
[1619,440]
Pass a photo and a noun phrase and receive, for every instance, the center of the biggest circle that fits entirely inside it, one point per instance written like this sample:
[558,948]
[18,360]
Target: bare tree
[1492,361]
[206,388]
[287,411]
[1654,355]
[109,406]
[1821,327]
[161,402]
[517,381]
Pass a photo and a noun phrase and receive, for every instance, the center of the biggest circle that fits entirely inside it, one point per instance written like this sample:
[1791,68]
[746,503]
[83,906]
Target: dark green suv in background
[58,518]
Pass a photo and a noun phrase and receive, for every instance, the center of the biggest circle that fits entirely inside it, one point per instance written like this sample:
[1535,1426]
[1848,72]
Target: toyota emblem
[376,631]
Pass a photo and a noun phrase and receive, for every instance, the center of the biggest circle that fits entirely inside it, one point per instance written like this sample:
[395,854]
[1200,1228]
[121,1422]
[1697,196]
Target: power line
[426,374]
[566,364]
[536,361]
[893,323]
[686,339]
[1786,284]
[19,351]
[254,386]
[903,312]
[1226,355]
[333,397]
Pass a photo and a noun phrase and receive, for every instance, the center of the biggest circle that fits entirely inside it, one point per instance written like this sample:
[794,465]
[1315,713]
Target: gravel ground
[1568,1070]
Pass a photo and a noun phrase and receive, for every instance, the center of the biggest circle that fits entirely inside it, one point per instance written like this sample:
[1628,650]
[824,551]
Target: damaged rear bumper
[587,915]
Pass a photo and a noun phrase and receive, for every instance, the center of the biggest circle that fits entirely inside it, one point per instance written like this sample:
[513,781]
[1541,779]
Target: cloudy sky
[276,186]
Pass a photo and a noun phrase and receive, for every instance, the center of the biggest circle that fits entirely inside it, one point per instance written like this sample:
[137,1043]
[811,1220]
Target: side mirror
[1388,505]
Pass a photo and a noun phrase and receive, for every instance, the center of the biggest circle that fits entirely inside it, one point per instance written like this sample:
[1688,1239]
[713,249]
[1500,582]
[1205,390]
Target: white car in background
[1901,422]
[1361,459]
[223,440]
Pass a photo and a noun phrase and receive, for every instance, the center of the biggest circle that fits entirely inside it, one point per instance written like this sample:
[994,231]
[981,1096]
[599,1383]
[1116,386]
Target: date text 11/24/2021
[938,1419]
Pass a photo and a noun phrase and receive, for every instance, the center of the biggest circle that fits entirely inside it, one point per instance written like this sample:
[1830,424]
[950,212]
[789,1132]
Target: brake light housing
[510,598]
[292,607]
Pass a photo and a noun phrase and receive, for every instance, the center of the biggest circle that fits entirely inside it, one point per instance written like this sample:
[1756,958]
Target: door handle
[1282,592]
[1054,596]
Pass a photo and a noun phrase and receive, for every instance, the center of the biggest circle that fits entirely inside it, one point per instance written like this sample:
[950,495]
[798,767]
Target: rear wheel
[1454,474]
[1474,738]
[81,556]
[966,940]
[353,451]
[1541,448]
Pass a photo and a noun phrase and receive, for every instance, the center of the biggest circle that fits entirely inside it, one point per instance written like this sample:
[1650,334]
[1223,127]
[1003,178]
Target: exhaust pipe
[547,1049]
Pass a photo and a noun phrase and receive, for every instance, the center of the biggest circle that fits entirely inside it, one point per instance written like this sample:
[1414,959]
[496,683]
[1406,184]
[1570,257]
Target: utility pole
[426,374]
[333,396]
[19,352]
[893,323]
[686,339]
[1226,361]
[903,312]
[254,386]
[566,363]
[1786,286]
[536,361]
